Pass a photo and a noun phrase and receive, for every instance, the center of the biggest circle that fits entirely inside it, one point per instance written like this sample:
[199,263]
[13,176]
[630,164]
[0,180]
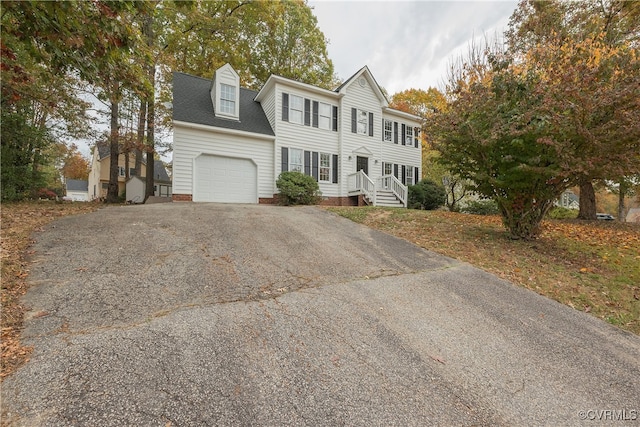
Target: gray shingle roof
[160,172]
[192,104]
[77,185]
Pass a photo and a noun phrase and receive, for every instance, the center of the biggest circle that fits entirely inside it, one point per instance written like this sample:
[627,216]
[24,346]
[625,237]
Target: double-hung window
[227,99]
[296,162]
[325,167]
[121,171]
[388,130]
[409,175]
[324,116]
[363,122]
[408,136]
[387,168]
[296,109]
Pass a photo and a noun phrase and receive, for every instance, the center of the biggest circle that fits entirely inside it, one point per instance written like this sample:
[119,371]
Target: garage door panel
[225,180]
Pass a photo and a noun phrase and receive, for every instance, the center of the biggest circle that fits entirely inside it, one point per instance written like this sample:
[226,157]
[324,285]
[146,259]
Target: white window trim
[360,115]
[299,167]
[292,110]
[408,135]
[227,98]
[390,165]
[328,116]
[390,130]
[328,168]
[408,171]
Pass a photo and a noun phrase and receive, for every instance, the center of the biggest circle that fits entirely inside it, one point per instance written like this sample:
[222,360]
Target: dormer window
[225,93]
[227,99]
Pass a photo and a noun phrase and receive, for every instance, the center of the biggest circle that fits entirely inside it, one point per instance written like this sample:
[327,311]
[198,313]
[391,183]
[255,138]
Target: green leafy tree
[492,136]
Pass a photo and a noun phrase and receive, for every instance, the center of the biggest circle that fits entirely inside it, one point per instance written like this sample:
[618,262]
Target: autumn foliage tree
[586,55]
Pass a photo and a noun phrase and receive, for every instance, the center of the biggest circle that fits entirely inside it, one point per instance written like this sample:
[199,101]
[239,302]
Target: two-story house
[230,143]
[98,181]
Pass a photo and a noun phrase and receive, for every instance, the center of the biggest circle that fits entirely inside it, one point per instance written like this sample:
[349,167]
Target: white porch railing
[360,183]
[390,182]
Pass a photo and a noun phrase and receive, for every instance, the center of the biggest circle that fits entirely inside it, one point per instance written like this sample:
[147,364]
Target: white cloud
[405,44]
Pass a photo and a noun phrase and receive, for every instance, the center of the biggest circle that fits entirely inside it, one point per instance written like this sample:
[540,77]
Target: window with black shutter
[285,159]
[285,107]
[307,112]
[315,114]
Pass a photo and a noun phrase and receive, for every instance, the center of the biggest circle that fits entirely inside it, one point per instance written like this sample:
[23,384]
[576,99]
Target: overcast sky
[406,44]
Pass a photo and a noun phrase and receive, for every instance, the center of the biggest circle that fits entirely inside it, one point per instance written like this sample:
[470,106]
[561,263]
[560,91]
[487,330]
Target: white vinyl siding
[189,143]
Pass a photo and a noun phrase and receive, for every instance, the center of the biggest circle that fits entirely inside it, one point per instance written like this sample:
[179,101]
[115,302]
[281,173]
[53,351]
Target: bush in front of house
[427,195]
[297,189]
[481,207]
[558,212]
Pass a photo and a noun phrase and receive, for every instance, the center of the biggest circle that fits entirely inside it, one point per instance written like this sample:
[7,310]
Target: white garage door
[225,180]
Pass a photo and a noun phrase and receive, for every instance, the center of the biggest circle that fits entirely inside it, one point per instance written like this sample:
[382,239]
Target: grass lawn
[591,266]
[19,221]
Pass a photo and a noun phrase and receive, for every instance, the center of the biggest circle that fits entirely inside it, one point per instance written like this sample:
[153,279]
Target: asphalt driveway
[204,314]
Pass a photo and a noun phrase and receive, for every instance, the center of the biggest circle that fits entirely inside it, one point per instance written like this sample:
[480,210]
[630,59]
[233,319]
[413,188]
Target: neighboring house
[568,200]
[136,186]
[230,144]
[77,190]
[99,173]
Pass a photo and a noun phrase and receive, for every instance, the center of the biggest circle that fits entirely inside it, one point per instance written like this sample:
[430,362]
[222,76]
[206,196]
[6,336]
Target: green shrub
[481,207]
[426,195]
[558,212]
[297,189]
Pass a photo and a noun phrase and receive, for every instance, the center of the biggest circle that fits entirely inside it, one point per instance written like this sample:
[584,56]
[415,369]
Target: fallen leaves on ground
[18,223]
[589,265]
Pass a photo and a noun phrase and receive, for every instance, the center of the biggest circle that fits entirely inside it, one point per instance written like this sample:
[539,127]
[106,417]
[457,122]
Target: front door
[362,164]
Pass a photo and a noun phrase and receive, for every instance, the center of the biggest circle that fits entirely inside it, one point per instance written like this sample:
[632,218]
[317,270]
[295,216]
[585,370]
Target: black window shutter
[416,137]
[314,170]
[395,135]
[404,174]
[307,162]
[416,178]
[382,169]
[383,129]
[354,123]
[404,135]
[335,118]
[335,168]
[395,171]
[315,114]
[285,107]
[370,124]
[307,112]
[285,159]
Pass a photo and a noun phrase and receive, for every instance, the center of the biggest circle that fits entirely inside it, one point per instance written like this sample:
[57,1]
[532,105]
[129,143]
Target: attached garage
[225,180]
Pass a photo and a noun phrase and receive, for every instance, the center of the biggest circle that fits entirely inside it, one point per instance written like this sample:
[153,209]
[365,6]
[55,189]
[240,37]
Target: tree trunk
[142,118]
[587,201]
[148,31]
[112,192]
[622,189]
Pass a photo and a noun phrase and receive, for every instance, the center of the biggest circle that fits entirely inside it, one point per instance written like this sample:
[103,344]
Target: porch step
[386,198]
